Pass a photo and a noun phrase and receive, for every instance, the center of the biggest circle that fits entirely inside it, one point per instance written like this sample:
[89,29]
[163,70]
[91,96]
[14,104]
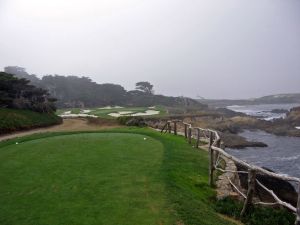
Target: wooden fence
[217,154]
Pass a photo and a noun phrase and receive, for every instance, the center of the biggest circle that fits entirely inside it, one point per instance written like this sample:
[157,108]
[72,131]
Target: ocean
[282,154]
[263,111]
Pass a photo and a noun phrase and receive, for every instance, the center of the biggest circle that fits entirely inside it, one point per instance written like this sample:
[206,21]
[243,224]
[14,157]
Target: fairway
[103,178]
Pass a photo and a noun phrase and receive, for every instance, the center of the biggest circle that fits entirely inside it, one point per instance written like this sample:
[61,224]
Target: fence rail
[217,154]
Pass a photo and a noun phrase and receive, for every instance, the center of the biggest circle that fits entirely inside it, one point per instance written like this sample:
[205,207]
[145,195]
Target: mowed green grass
[113,177]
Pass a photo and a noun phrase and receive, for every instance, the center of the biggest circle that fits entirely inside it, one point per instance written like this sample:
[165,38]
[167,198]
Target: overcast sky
[208,48]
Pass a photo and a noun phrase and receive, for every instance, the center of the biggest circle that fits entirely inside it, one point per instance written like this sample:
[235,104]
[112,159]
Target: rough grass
[257,215]
[112,177]
[17,119]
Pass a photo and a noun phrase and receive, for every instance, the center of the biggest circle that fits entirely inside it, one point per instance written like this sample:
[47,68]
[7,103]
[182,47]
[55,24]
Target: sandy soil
[74,124]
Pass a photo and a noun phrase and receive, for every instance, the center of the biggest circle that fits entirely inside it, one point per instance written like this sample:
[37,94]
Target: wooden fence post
[222,145]
[190,134]
[250,192]
[298,207]
[169,126]
[185,130]
[211,160]
[175,127]
[198,138]
[164,127]
[218,144]
[210,139]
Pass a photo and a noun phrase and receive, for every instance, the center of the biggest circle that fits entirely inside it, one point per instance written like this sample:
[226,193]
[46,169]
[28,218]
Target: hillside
[24,106]
[270,99]
[18,119]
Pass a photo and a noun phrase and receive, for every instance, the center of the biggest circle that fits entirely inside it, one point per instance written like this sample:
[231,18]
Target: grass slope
[112,177]
[18,119]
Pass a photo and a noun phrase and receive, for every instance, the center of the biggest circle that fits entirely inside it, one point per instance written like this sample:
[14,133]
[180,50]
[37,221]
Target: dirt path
[74,124]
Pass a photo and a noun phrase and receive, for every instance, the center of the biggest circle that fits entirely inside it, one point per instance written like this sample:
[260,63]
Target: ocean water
[263,111]
[282,154]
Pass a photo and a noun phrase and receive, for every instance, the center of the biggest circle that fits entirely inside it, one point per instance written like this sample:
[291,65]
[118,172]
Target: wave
[287,158]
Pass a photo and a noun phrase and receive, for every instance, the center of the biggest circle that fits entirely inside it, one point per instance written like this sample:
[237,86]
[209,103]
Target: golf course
[109,112]
[115,176]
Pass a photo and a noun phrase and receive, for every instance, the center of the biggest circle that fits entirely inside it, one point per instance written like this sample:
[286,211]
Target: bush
[132,121]
[256,215]
[19,119]
[123,119]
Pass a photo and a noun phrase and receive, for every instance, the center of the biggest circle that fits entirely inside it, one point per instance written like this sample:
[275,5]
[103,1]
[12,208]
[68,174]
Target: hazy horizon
[232,49]
[197,97]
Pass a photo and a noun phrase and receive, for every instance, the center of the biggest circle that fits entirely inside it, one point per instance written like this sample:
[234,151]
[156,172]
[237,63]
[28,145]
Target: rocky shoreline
[230,124]
[283,189]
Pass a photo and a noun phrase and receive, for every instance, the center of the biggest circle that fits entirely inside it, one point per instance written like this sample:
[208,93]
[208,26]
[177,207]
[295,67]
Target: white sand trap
[78,115]
[67,112]
[128,113]
[297,128]
[106,107]
[151,107]
[118,114]
[125,112]
[86,111]
[111,107]
[114,114]
[147,113]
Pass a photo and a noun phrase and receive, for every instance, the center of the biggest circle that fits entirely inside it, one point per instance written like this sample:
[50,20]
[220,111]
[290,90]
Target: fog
[213,48]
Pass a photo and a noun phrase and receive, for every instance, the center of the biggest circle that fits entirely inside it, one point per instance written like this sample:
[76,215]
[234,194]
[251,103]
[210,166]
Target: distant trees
[18,93]
[73,91]
[145,87]
[20,72]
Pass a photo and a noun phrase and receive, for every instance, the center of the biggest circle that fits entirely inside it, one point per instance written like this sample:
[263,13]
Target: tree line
[73,91]
[19,94]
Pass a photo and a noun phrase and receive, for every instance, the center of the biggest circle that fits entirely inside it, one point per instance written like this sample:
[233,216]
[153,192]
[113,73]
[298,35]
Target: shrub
[123,119]
[256,215]
[17,119]
[132,121]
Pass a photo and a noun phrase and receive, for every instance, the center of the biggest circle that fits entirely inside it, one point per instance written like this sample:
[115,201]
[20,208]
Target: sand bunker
[111,107]
[77,115]
[84,113]
[118,114]
[125,112]
[128,113]
[147,113]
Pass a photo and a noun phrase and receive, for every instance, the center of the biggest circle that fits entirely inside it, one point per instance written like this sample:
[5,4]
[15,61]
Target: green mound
[18,119]
[113,177]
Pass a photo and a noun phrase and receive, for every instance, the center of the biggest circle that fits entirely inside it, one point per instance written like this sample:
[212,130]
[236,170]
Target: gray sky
[211,48]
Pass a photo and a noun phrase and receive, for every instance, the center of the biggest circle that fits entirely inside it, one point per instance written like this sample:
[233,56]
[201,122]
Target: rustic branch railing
[216,153]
